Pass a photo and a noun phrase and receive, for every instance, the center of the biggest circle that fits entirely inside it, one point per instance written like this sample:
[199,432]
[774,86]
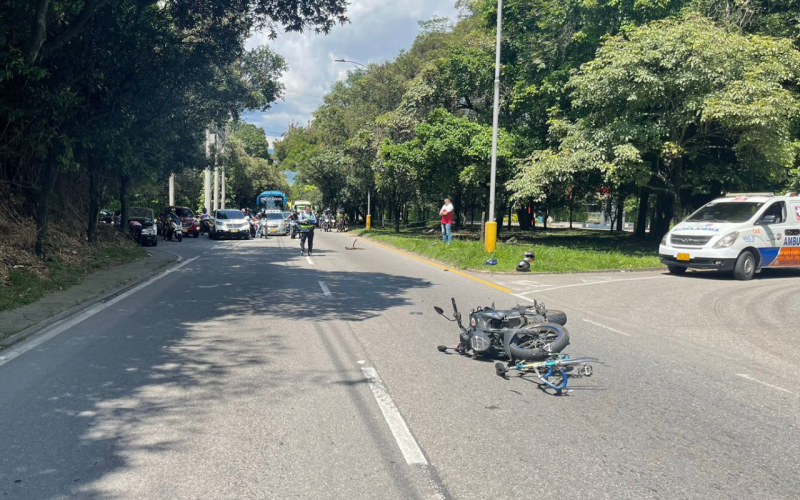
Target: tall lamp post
[491,224]
[351,62]
[369,216]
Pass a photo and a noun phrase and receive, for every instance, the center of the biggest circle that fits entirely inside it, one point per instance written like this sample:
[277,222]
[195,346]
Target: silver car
[276,223]
[229,224]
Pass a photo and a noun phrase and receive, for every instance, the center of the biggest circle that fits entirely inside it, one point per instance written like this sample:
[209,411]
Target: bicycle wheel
[538,341]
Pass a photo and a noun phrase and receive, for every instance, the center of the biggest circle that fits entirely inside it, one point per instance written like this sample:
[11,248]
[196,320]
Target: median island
[556,250]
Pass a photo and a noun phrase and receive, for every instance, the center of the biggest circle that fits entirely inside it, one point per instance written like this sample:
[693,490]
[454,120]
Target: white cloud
[378,30]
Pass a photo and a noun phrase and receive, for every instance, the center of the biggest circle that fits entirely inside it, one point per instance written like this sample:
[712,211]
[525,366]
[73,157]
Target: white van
[742,233]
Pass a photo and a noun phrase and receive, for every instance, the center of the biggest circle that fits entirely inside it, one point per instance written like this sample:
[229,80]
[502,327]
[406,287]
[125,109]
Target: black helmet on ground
[524,266]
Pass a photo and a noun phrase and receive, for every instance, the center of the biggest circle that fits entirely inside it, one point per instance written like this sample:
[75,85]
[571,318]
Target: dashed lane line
[595,323]
[753,379]
[325,289]
[402,435]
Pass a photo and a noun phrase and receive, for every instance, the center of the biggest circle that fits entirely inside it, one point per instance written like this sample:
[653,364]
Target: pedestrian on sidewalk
[447,221]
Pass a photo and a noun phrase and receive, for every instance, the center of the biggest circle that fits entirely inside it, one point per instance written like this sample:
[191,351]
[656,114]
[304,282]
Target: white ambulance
[742,233]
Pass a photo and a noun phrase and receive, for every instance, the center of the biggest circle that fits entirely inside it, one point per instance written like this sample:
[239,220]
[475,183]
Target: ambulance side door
[769,230]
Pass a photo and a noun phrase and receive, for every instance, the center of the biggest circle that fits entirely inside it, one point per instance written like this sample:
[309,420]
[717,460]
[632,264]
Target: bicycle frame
[557,365]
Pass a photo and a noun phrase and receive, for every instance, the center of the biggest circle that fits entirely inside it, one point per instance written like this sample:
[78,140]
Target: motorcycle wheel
[543,340]
[179,236]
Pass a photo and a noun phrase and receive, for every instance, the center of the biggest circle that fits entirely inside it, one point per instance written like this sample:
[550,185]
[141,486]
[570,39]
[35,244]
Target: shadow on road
[164,359]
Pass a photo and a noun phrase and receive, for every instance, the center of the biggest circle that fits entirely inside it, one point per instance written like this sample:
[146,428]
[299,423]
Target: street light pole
[491,224]
[351,62]
[369,216]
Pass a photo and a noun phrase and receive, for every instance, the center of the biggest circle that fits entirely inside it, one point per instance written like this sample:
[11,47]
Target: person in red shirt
[447,221]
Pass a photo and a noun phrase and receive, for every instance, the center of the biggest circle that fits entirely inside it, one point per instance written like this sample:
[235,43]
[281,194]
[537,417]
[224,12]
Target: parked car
[191,224]
[276,223]
[106,216]
[145,232]
[230,224]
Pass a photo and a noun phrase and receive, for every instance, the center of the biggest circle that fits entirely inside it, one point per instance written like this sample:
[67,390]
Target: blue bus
[271,201]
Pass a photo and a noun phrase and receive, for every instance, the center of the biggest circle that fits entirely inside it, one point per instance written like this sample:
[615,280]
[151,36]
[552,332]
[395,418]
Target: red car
[191,224]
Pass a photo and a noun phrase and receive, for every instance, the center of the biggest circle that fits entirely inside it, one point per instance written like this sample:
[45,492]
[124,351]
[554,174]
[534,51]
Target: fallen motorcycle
[524,333]
[553,372]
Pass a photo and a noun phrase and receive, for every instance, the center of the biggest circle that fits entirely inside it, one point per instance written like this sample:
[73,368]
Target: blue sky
[378,30]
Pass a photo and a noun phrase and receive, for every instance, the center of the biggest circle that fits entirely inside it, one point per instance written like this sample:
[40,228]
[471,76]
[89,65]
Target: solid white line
[325,289]
[606,327]
[523,297]
[309,260]
[748,377]
[595,283]
[66,324]
[408,445]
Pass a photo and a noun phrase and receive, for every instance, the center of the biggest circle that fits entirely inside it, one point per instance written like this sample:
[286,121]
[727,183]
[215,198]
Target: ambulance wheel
[745,267]
[676,270]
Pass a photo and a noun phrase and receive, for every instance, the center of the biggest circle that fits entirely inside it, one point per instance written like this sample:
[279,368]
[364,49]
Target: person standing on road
[447,221]
[307,220]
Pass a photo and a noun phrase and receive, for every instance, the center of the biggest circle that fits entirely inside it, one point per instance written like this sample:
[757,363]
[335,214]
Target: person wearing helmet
[307,220]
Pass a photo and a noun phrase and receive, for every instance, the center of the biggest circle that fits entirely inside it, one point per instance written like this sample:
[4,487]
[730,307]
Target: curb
[33,330]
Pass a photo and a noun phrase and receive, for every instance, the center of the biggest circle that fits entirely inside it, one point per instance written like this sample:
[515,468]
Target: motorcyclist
[204,221]
[341,221]
[307,221]
[172,218]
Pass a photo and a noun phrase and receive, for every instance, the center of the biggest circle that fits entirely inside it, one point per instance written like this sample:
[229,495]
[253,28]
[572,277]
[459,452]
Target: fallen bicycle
[553,373]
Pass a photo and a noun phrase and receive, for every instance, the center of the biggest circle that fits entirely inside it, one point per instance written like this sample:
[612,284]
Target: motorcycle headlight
[473,322]
[727,240]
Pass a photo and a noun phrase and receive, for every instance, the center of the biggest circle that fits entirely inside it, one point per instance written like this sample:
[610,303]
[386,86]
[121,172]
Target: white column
[171,189]
[207,179]
[216,187]
[223,187]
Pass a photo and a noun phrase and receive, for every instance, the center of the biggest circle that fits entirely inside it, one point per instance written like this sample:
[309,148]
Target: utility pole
[207,180]
[224,141]
[491,225]
[215,202]
[171,189]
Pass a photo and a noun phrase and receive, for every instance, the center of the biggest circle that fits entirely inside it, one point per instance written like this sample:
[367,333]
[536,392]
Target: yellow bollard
[491,237]
[369,222]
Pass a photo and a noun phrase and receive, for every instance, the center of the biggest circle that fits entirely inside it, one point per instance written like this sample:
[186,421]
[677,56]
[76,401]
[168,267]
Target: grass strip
[556,251]
[25,287]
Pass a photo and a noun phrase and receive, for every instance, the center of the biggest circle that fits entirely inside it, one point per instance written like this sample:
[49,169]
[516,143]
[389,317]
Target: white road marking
[606,327]
[325,289]
[748,377]
[405,441]
[360,361]
[593,283]
[523,297]
[309,260]
[66,324]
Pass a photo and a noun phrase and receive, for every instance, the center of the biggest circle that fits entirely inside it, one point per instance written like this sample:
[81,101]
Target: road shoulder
[18,324]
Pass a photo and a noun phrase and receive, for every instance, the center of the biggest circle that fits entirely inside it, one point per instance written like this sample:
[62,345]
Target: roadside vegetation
[608,110]
[556,250]
[25,279]
[101,101]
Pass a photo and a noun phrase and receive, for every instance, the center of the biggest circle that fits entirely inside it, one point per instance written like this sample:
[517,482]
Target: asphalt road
[253,372]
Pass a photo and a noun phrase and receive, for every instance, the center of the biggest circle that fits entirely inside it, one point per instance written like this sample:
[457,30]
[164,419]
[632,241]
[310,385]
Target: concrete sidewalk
[18,323]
